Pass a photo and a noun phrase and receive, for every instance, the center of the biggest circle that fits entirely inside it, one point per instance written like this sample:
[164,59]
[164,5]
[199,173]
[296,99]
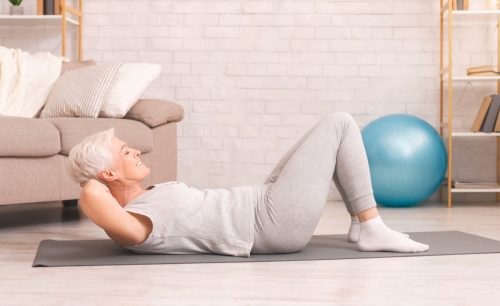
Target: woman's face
[127,164]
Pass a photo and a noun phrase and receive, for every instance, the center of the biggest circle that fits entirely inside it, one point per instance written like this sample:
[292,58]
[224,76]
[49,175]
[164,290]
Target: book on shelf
[460,4]
[48,7]
[488,125]
[486,73]
[476,126]
[497,124]
[482,71]
[471,184]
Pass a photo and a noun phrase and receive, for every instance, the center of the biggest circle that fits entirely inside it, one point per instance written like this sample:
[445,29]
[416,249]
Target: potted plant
[16,8]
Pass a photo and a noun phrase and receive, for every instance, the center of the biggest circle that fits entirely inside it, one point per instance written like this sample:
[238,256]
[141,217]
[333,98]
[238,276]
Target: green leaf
[16,2]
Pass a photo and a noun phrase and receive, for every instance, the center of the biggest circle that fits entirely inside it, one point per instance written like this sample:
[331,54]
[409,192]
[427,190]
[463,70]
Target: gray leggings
[295,193]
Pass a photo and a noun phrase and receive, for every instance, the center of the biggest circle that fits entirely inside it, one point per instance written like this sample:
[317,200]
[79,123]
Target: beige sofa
[34,151]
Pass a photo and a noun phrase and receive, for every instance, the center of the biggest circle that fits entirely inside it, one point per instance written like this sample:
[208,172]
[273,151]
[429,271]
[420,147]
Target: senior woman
[278,216]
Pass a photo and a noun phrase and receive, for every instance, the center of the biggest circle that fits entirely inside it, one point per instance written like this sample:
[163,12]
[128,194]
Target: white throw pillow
[26,80]
[130,83]
[81,92]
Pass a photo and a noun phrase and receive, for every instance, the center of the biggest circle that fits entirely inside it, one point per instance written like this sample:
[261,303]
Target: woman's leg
[299,184]
[354,229]
[302,178]
[353,234]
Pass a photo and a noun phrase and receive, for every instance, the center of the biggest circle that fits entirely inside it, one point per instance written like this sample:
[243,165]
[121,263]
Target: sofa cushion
[155,112]
[73,130]
[26,137]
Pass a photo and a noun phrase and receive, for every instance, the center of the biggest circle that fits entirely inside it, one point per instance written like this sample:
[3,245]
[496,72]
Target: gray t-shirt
[188,220]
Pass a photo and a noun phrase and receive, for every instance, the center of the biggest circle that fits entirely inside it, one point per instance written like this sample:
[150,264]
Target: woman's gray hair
[92,155]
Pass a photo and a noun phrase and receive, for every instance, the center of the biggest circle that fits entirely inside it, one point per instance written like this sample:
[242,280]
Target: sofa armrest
[154,112]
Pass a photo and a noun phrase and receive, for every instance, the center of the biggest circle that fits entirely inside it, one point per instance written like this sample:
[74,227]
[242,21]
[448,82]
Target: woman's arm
[104,210]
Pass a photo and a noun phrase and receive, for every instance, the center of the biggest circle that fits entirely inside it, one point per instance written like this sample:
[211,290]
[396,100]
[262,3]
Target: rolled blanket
[26,80]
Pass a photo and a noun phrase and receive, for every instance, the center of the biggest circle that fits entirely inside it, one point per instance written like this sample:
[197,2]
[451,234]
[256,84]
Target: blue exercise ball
[407,159]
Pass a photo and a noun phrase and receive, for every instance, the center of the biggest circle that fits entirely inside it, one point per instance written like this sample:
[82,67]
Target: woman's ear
[106,175]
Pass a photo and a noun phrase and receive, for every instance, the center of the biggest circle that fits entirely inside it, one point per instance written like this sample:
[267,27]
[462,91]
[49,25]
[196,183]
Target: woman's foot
[354,230]
[376,236]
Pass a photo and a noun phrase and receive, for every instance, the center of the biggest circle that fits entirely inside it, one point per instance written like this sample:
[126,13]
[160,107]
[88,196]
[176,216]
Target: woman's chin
[142,173]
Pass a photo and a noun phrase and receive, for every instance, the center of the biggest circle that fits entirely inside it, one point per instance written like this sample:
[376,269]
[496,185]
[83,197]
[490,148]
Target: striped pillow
[81,92]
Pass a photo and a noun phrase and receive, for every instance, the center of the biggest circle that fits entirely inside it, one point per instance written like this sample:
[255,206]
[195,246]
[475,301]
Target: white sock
[376,236]
[355,228]
[353,234]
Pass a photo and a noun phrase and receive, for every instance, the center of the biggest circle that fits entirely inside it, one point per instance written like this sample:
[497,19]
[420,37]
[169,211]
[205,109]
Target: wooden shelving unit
[447,78]
[61,20]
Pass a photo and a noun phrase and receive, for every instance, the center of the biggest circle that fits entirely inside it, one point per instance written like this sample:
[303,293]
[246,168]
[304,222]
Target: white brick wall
[254,75]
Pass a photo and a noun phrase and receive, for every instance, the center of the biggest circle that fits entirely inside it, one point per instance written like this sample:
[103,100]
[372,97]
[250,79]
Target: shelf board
[472,189]
[34,20]
[472,134]
[480,13]
[474,78]
[473,15]
[497,189]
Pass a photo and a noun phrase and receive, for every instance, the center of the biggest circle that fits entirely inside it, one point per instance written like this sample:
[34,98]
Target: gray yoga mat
[103,252]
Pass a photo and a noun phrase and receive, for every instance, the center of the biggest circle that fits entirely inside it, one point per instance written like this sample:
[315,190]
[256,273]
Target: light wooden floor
[432,280]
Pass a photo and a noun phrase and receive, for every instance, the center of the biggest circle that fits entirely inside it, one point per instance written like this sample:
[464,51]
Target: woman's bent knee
[339,116]
[336,119]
